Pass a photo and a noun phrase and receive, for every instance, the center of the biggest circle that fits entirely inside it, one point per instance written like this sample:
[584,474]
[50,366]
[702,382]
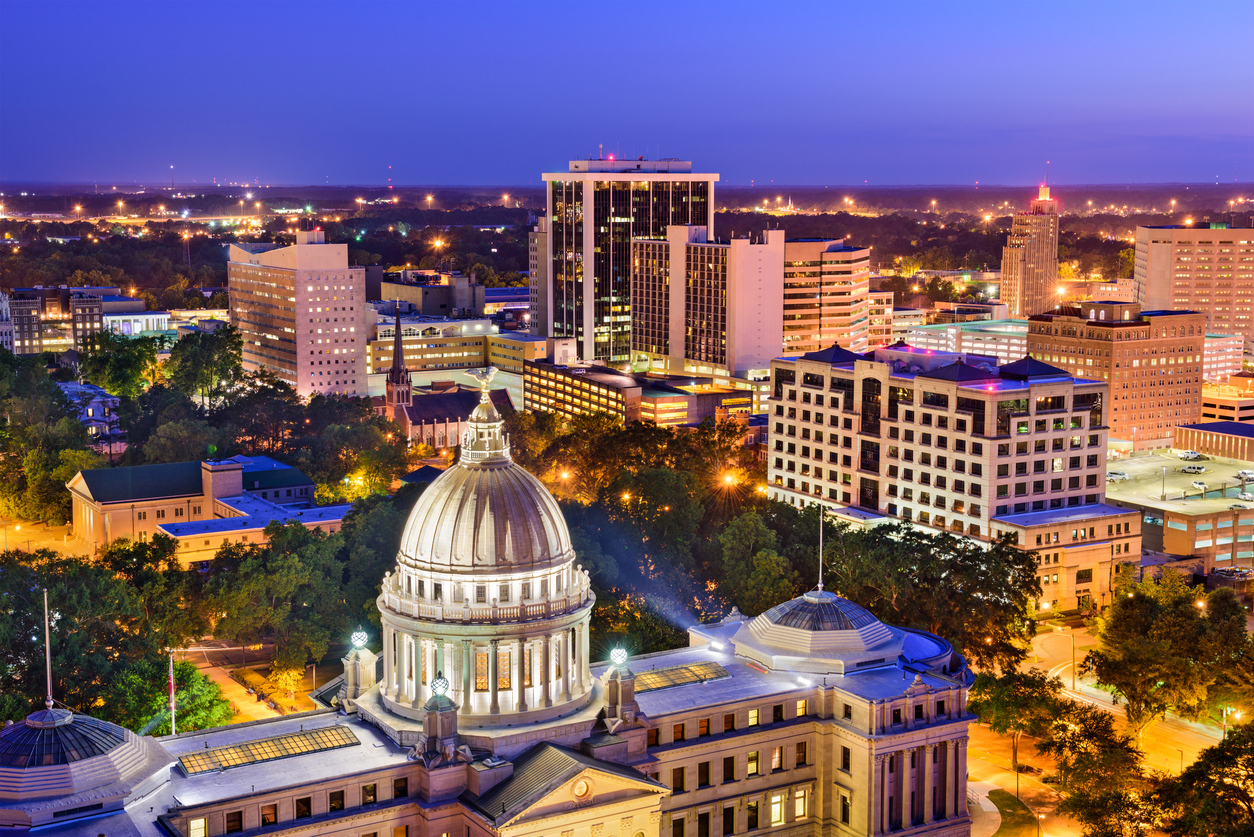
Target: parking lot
[1148,482]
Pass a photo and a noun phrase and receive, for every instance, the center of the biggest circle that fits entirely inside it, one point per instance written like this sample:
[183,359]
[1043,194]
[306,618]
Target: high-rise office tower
[1208,269]
[828,298]
[707,307]
[1029,261]
[302,313]
[594,210]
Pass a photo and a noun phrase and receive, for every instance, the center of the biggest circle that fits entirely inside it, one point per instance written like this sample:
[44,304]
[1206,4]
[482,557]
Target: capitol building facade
[486,715]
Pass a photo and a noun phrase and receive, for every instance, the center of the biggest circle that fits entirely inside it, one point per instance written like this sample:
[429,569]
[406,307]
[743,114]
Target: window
[481,594]
[918,712]
[503,595]
[729,722]
[703,774]
[335,801]
[526,590]
[677,732]
[234,821]
[777,809]
[197,827]
[753,717]
[801,754]
[896,717]
[677,779]
[400,788]
[777,758]
[777,713]
[752,764]
[437,591]
[703,727]
[304,808]
[653,738]
[677,826]
[369,794]
[798,803]
[751,816]
[729,769]
[940,708]
[269,814]
[848,713]
[703,824]
[141,515]
[1084,576]
[160,514]
[729,821]
[481,671]
[403,831]
[844,809]
[846,759]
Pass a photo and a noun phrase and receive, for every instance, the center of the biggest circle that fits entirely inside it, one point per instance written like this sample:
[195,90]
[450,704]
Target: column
[402,677]
[467,659]
[562,646]
[950,767]
[960,779]
[929,776]
[520,679]
[903,788]
[420,691]
[439,658]
[494,681]
[586,654]
[886,821]
[546,670]
[389,658]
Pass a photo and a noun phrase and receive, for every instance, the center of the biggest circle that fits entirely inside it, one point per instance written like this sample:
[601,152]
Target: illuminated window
[481,671]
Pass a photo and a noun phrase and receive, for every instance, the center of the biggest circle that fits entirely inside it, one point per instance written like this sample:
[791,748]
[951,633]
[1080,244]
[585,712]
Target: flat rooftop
[1059,517]
[1149,477]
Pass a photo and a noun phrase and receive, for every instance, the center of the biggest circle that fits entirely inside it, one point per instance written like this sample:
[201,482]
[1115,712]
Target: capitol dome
[485,512]
[486,597]
[820,632]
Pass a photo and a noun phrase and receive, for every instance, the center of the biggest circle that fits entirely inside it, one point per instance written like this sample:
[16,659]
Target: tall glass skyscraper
[594,211]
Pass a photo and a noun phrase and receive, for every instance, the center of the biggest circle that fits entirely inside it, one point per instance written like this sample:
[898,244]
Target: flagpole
[821,511]
[173,731]
[47,653]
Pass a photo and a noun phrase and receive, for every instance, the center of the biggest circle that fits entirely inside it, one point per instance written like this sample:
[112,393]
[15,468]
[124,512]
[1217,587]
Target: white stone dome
[486,512]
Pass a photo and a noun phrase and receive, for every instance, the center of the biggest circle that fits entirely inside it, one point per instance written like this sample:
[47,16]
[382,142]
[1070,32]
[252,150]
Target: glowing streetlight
[618,656]
[428,201]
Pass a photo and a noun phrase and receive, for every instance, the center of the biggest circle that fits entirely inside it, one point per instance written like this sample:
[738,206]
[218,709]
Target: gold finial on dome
[484,377]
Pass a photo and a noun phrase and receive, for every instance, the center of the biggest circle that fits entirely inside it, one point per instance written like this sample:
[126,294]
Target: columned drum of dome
[486,591]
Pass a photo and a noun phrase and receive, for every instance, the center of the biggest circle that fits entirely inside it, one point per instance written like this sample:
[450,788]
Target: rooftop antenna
[1047,172]
[47,653]
[822,510]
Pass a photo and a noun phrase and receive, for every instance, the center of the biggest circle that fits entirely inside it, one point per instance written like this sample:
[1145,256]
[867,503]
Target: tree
[977,598]
[771,582]
[372,535]
[118,364]
[1016,704]
[170,596]
[207,364]
[182,440]
[138,699]
[1215,796]
[744,538]
[288,589]
[1089,753]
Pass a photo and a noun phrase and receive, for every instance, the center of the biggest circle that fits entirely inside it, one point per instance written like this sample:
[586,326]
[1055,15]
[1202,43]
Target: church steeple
[400,392]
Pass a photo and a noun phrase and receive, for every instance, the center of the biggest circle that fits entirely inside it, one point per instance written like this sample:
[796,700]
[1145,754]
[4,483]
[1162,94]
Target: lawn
[1016,819]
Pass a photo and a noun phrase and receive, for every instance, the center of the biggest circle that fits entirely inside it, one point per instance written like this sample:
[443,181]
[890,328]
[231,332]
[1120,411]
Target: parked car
[1246,496]
[1190,455]
[1193,469]
[1199,485]
[1236,506]
[1117,476]
[1246,476]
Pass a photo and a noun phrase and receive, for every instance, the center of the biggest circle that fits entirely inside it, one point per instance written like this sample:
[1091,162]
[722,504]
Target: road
[1169,745]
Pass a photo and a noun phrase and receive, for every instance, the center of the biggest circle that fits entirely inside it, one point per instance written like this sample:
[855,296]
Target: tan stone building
[1152,360]
[1029,261]
[491,720]
[828,298]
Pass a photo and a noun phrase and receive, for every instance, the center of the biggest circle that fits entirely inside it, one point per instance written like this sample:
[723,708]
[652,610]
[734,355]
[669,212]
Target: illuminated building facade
[1152,360]
[594,210]
[1209,269]
[828,298]
[1029,261]
[302,313]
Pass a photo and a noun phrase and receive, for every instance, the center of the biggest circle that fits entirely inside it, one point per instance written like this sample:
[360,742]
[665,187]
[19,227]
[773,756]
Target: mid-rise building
[968,312]
[538,293]
[1006,340]
[60,318]
[6,323]
[1208,268]
[578,388]
[828,298]
[905,319]
[435,294]
[1029,261]
[956,443]
[302,313]
[1151,359]
[137,324]
[1223,357]
[594,211]
[1232,400]
[707,307]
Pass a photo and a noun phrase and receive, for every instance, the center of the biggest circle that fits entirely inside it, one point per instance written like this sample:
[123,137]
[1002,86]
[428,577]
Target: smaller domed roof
[57,736]
[820,610]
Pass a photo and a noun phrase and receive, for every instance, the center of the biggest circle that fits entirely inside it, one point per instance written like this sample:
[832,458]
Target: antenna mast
[47,653]
[822,512]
